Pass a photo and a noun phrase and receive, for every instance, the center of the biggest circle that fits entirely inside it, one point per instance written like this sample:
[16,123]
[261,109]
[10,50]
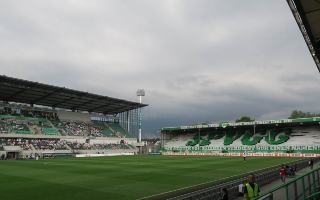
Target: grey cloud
[199,60]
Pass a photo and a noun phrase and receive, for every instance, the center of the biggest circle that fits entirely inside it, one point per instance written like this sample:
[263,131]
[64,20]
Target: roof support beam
[15,94]
[311,11]
[45,96]
[61,102]
[98,107]
[82,104]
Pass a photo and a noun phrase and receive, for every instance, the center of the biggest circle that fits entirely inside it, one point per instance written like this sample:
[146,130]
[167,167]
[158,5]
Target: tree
[299,114]
[245,119]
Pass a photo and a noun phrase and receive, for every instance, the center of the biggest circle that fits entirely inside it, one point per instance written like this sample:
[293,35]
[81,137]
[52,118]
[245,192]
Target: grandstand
[272,136]
[39,119]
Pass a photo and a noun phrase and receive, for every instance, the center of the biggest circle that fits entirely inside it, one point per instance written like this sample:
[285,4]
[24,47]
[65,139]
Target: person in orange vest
[251,189]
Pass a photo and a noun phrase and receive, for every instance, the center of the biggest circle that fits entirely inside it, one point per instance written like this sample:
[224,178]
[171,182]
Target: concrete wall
[73,116]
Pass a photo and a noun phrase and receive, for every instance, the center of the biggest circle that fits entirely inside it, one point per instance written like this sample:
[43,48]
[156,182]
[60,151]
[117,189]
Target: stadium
[62,143]
[75,144]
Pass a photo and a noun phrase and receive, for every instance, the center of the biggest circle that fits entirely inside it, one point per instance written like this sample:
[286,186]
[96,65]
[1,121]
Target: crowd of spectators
[80,146]
[38,144]
[74,128]
[9,125]
[95,131]
[52,116]
[56,144]
[27,112]
[8,111]
[88,146]
[80,129]
[23,143]
[46,144]
[3,128]
[15,124]
[21,119]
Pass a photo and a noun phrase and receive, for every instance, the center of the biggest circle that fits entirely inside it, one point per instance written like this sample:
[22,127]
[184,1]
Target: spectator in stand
[23,143]
[241,188]
[224,195]
[311,164]
[282,172]
[46,144]
[95,131]
[75,128]
[87,146]
[292,171]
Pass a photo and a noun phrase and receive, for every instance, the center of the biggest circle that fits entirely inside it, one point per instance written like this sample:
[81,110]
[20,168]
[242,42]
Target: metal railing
[263,177]
[305,187]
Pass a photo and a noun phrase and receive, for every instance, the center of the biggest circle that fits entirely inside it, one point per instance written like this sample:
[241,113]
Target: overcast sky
[198,60]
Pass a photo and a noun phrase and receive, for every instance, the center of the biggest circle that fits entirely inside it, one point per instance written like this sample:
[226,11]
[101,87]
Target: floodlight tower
[140,93]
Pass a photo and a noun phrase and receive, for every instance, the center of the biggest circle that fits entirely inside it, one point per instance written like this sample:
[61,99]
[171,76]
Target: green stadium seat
[50,131]
[117,129]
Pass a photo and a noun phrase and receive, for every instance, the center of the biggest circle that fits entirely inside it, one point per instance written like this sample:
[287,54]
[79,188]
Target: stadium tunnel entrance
[12,153]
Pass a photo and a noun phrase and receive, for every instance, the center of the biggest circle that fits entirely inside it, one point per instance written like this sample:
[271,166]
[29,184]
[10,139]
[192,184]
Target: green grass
[129,177]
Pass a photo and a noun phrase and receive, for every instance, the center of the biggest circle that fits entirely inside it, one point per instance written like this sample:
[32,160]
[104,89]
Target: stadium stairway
[68,147]
[112,130]
[34,129]
[63,132]
[32,147]
[50,123]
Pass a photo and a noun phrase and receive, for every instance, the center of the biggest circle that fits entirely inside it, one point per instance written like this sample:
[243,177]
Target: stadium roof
[222,125]
[307,15]
[23,91]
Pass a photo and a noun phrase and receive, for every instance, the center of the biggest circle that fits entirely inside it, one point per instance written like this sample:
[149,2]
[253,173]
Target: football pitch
[130,177]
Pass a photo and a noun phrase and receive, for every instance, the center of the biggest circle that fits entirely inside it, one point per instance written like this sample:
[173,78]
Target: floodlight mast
[140,93]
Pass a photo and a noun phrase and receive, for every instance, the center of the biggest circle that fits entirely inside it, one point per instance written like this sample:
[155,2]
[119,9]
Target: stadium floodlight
[140,93]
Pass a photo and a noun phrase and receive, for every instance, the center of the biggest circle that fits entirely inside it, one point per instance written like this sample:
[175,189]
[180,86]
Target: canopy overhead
[23,91]
[307,15]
